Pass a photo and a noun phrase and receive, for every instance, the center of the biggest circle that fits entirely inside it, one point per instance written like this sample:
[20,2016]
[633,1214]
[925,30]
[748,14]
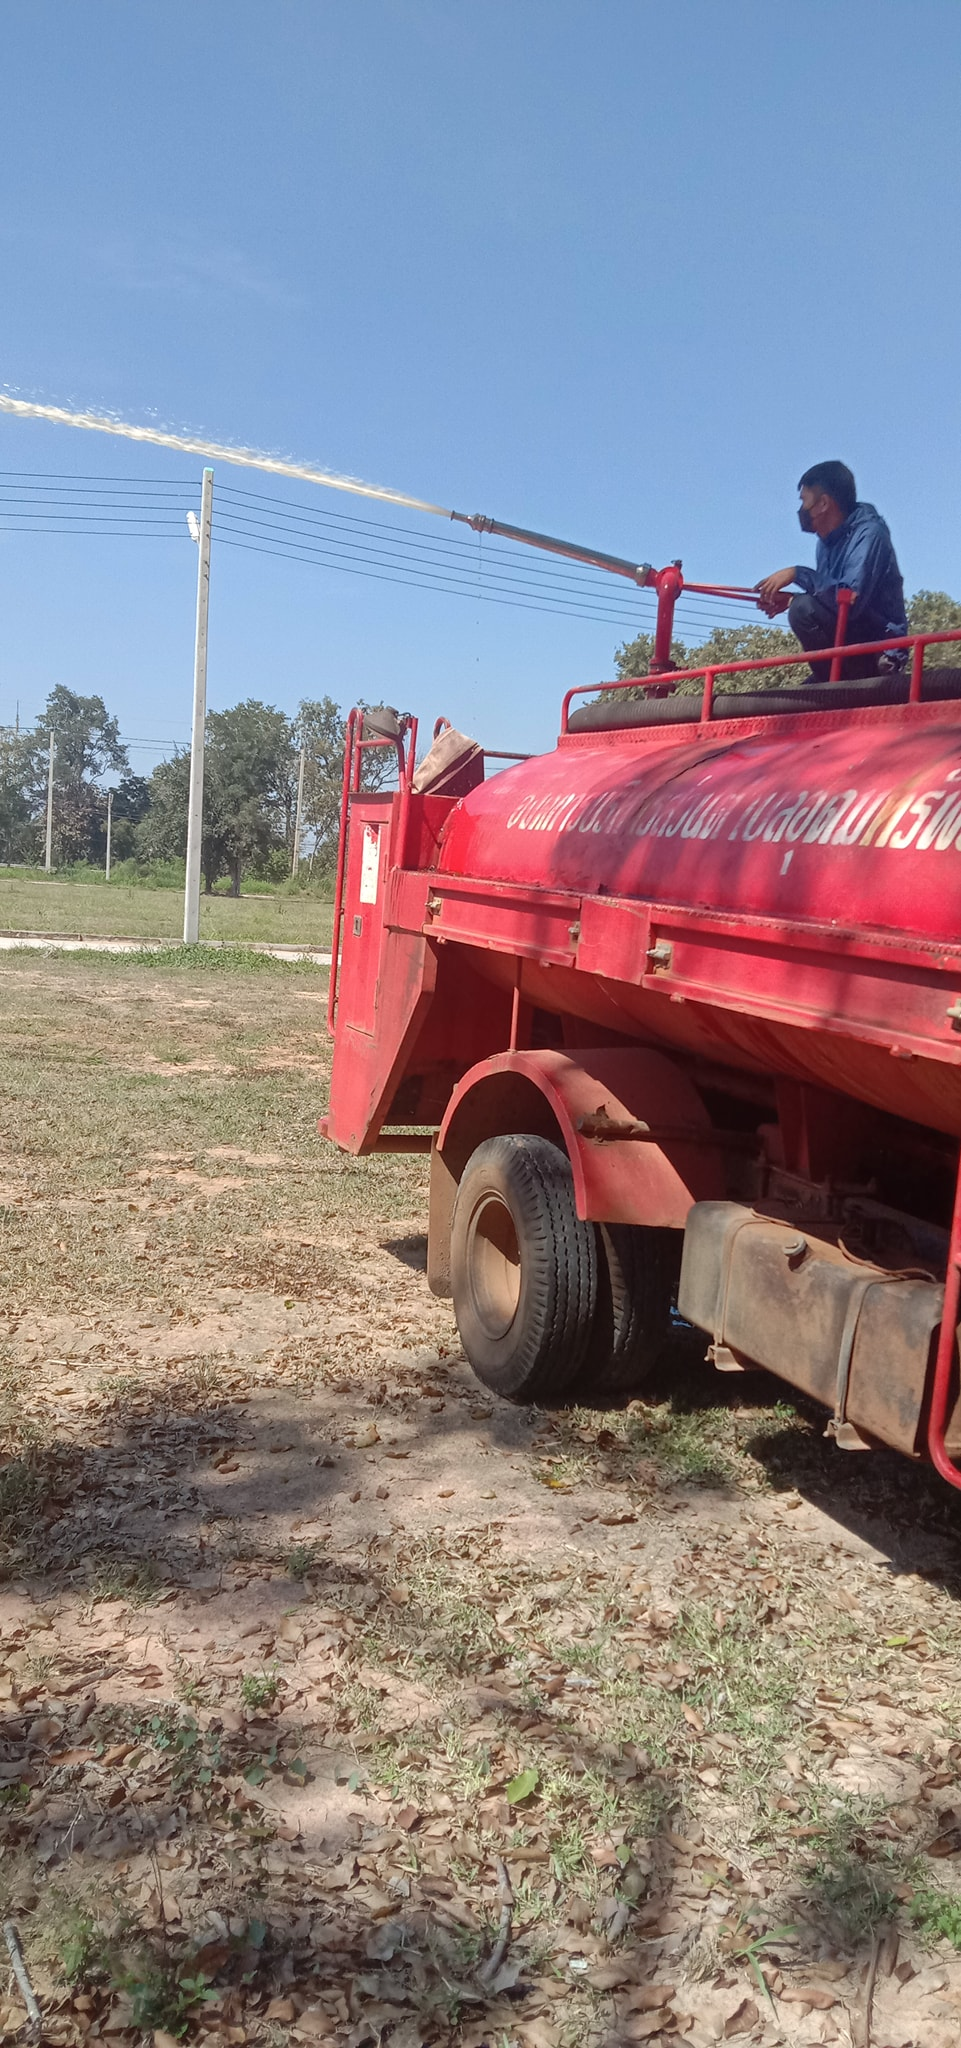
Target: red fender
[598,1104]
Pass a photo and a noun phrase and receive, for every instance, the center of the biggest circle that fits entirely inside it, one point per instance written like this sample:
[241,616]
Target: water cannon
[667,582]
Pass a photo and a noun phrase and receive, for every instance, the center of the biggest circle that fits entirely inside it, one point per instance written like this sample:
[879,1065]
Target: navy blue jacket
[860,556]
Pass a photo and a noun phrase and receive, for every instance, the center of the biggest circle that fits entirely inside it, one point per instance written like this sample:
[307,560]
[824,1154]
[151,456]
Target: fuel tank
[806,870]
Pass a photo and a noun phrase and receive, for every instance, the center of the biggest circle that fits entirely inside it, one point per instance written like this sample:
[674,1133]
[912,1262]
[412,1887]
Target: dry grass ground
[338,1701]
[92,910]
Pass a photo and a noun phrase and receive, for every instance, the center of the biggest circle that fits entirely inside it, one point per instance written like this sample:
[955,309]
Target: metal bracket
[847,1437]
[660,955]
[724,1359]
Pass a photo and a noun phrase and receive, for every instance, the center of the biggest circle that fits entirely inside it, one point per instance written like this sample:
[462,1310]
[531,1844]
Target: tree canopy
[250,787]
[86,744]
[251,764]
[726,643]
[929,611]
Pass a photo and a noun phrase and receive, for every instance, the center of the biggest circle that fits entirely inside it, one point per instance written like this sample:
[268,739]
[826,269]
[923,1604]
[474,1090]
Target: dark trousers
[813,620]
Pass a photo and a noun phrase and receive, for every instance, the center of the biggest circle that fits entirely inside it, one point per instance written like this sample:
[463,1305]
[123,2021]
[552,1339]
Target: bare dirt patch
[320,1669]
[243,1158]
[168,1069]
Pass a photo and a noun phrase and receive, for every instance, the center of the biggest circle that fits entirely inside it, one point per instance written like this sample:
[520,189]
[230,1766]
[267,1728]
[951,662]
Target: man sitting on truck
[854,552]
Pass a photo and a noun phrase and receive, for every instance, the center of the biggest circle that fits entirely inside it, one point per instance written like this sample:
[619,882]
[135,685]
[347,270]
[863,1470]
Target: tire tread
[562,1265]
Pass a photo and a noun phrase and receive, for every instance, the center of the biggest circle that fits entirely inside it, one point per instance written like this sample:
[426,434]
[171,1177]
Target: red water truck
[675,1009]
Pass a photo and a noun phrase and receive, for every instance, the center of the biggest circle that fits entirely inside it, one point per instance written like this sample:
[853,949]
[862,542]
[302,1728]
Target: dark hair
[835,478]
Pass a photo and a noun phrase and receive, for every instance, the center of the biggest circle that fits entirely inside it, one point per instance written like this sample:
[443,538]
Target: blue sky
[615,270]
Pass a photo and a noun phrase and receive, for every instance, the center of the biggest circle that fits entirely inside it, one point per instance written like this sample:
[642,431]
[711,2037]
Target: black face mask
[805,521]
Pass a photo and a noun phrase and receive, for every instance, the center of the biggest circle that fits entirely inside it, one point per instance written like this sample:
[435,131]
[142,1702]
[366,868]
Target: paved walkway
[72,942]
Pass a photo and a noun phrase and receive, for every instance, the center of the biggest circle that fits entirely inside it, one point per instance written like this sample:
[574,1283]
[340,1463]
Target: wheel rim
[494,1265]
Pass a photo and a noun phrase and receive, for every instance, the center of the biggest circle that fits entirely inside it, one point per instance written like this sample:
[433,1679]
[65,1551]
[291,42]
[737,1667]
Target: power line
[72,476]
[694,611]
[118,492]
[411,575]
[314,516]
[448,551]
[130,500]
[466,549]
[27,522]
[415,577]
[382,550]
[409,581]
[97,533]
[387,556]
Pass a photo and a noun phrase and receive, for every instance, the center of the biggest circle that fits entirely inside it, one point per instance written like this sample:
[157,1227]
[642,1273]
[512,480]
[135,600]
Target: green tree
[162,832]
[634,657]
[253,785]
[933,611]
[725,643]
[250,788]
[320,729]
[131,802]
[929,611]
[19,836]
[87,745]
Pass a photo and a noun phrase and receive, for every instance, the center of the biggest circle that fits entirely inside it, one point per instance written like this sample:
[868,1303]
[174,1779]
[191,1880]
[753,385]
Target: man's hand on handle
[770,591]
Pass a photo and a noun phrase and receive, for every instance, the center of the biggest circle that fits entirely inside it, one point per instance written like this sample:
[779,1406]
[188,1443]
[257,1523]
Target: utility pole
[48,857]
[109,824]
[295,862]
[195,804]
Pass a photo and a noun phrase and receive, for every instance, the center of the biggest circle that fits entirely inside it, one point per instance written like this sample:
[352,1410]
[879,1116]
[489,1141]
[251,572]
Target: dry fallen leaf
[810,1994]
[648,1997]
[44,1731]
[742,2019]
[366,1434]
[607,1976]
[642,2026]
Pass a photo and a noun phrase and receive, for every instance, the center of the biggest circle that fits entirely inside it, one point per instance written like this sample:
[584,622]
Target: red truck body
[706,961]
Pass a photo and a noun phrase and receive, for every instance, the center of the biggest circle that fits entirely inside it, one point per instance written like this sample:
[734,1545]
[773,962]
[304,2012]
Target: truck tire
[637,1294]
[524,1269]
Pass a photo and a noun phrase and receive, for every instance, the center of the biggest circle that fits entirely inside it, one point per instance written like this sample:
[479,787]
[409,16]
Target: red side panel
[372,823]
[386,982]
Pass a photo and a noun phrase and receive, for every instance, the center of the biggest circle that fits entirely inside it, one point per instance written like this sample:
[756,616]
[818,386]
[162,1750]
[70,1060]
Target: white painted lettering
[846,831]
[920,811]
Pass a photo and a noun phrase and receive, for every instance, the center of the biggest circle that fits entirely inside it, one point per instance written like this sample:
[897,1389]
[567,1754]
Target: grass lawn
[335,1695]
[91,910]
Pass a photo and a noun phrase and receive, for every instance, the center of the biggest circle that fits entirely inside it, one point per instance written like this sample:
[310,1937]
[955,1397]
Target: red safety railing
[659,684]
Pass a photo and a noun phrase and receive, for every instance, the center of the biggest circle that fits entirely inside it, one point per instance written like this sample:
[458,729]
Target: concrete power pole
[295,861]
[109,826]
[48,856]
[195,805]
